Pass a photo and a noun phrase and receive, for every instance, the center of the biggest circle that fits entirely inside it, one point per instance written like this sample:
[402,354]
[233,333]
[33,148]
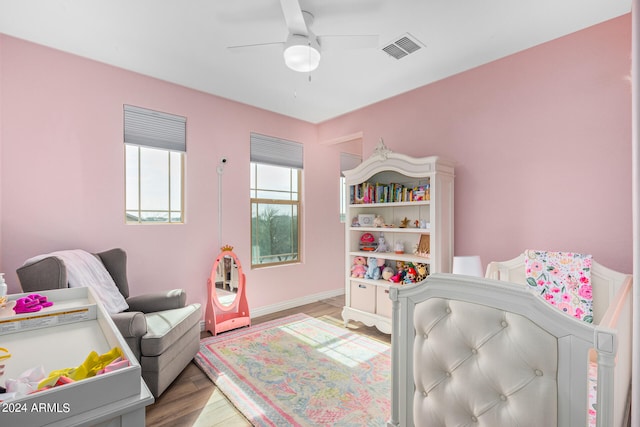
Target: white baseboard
[285,305]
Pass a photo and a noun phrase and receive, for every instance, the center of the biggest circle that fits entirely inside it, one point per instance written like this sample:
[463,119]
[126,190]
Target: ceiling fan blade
[239,48]
[294,17]
[348,42]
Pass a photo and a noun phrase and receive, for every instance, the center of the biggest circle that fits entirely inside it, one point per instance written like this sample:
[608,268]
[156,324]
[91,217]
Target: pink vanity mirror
[227,306]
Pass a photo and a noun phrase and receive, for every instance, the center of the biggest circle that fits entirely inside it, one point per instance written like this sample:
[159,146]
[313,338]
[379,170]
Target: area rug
[301,371]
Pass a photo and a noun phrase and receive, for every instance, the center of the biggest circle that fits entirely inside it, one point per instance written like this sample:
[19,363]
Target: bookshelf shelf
[392,256]
[408,230]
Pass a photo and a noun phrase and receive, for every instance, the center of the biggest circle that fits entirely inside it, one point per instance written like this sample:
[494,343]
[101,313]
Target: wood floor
[193,400]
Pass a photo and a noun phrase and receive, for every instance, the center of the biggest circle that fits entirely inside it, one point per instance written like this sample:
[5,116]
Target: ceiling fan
[302,47]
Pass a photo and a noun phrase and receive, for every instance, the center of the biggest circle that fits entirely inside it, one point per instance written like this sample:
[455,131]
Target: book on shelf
[368,192]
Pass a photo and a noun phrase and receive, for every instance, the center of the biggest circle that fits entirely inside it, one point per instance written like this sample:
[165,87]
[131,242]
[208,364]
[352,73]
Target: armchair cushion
[158,301]
[164,328]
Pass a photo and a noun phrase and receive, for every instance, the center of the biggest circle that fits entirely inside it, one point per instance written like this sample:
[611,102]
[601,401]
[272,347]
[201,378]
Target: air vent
[403,46]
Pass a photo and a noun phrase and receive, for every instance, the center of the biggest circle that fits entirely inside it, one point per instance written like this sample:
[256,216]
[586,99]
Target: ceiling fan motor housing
[302,53]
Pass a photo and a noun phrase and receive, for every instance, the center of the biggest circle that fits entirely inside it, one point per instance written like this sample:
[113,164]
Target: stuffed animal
[382,244]
[421,269]
[373,270]
[410,277]
[359,267]
[378,221]
[387,273]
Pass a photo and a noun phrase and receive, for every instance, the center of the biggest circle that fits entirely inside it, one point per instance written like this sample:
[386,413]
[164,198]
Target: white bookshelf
[367,300]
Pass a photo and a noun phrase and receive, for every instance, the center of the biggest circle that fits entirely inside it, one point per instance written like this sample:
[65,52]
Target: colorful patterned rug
[301,371]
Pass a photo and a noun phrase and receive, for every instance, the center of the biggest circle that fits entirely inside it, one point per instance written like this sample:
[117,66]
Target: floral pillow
[563,279]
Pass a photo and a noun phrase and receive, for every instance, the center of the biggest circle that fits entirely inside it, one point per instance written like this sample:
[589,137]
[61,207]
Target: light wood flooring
[193,400]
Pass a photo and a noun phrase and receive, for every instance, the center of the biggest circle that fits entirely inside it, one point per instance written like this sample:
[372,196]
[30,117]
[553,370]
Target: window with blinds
[276,177]
[155,147]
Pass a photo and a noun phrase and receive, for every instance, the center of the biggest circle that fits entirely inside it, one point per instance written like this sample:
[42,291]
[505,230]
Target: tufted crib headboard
[469,351]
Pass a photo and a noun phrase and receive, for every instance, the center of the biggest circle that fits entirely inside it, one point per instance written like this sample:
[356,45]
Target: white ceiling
[185,42]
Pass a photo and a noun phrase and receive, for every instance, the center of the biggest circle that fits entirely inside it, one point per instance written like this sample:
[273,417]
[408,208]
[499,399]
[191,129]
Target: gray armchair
[161,330]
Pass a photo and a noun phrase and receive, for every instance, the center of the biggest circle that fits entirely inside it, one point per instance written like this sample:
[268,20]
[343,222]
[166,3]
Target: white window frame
[348,161]
[152,133]
[276,152]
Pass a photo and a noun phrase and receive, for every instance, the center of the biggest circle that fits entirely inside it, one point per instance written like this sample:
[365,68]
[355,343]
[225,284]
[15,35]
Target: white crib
[490,353]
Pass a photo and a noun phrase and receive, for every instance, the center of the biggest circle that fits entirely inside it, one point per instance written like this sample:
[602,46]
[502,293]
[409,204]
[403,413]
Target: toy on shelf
[387,273]
[396,278]
[382,244]
[410,277]
[421,270]
[378,221]
[404,223]
[359,267]
[373,270]
[400,273]
[368,242]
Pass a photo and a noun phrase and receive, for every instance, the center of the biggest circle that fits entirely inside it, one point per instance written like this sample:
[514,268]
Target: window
[155,146]
[276,176]
[347,162]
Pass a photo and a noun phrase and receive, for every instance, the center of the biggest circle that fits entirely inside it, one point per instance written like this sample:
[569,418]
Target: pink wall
[1,134]
[542,141]
[63,177]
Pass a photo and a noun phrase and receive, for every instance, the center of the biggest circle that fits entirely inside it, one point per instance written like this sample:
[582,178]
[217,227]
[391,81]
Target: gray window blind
[275,151]
[154,129]
[349,161]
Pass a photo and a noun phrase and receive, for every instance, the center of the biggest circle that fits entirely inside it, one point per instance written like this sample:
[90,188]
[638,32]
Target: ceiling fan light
[302,54]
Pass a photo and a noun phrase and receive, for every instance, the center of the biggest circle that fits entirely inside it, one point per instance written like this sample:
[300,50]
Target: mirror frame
[241,282]
[220,318]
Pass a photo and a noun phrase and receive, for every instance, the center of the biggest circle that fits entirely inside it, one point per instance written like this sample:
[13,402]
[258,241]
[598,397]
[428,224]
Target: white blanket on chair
[85,270]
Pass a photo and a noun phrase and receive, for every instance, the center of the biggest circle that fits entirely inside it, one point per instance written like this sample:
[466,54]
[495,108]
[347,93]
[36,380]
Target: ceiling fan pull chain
[309,59]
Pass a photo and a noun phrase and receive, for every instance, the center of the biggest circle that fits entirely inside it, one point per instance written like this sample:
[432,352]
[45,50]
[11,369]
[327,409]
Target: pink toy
[27,305]
[42,300]
[396,278]
[359,267]
[31,303]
